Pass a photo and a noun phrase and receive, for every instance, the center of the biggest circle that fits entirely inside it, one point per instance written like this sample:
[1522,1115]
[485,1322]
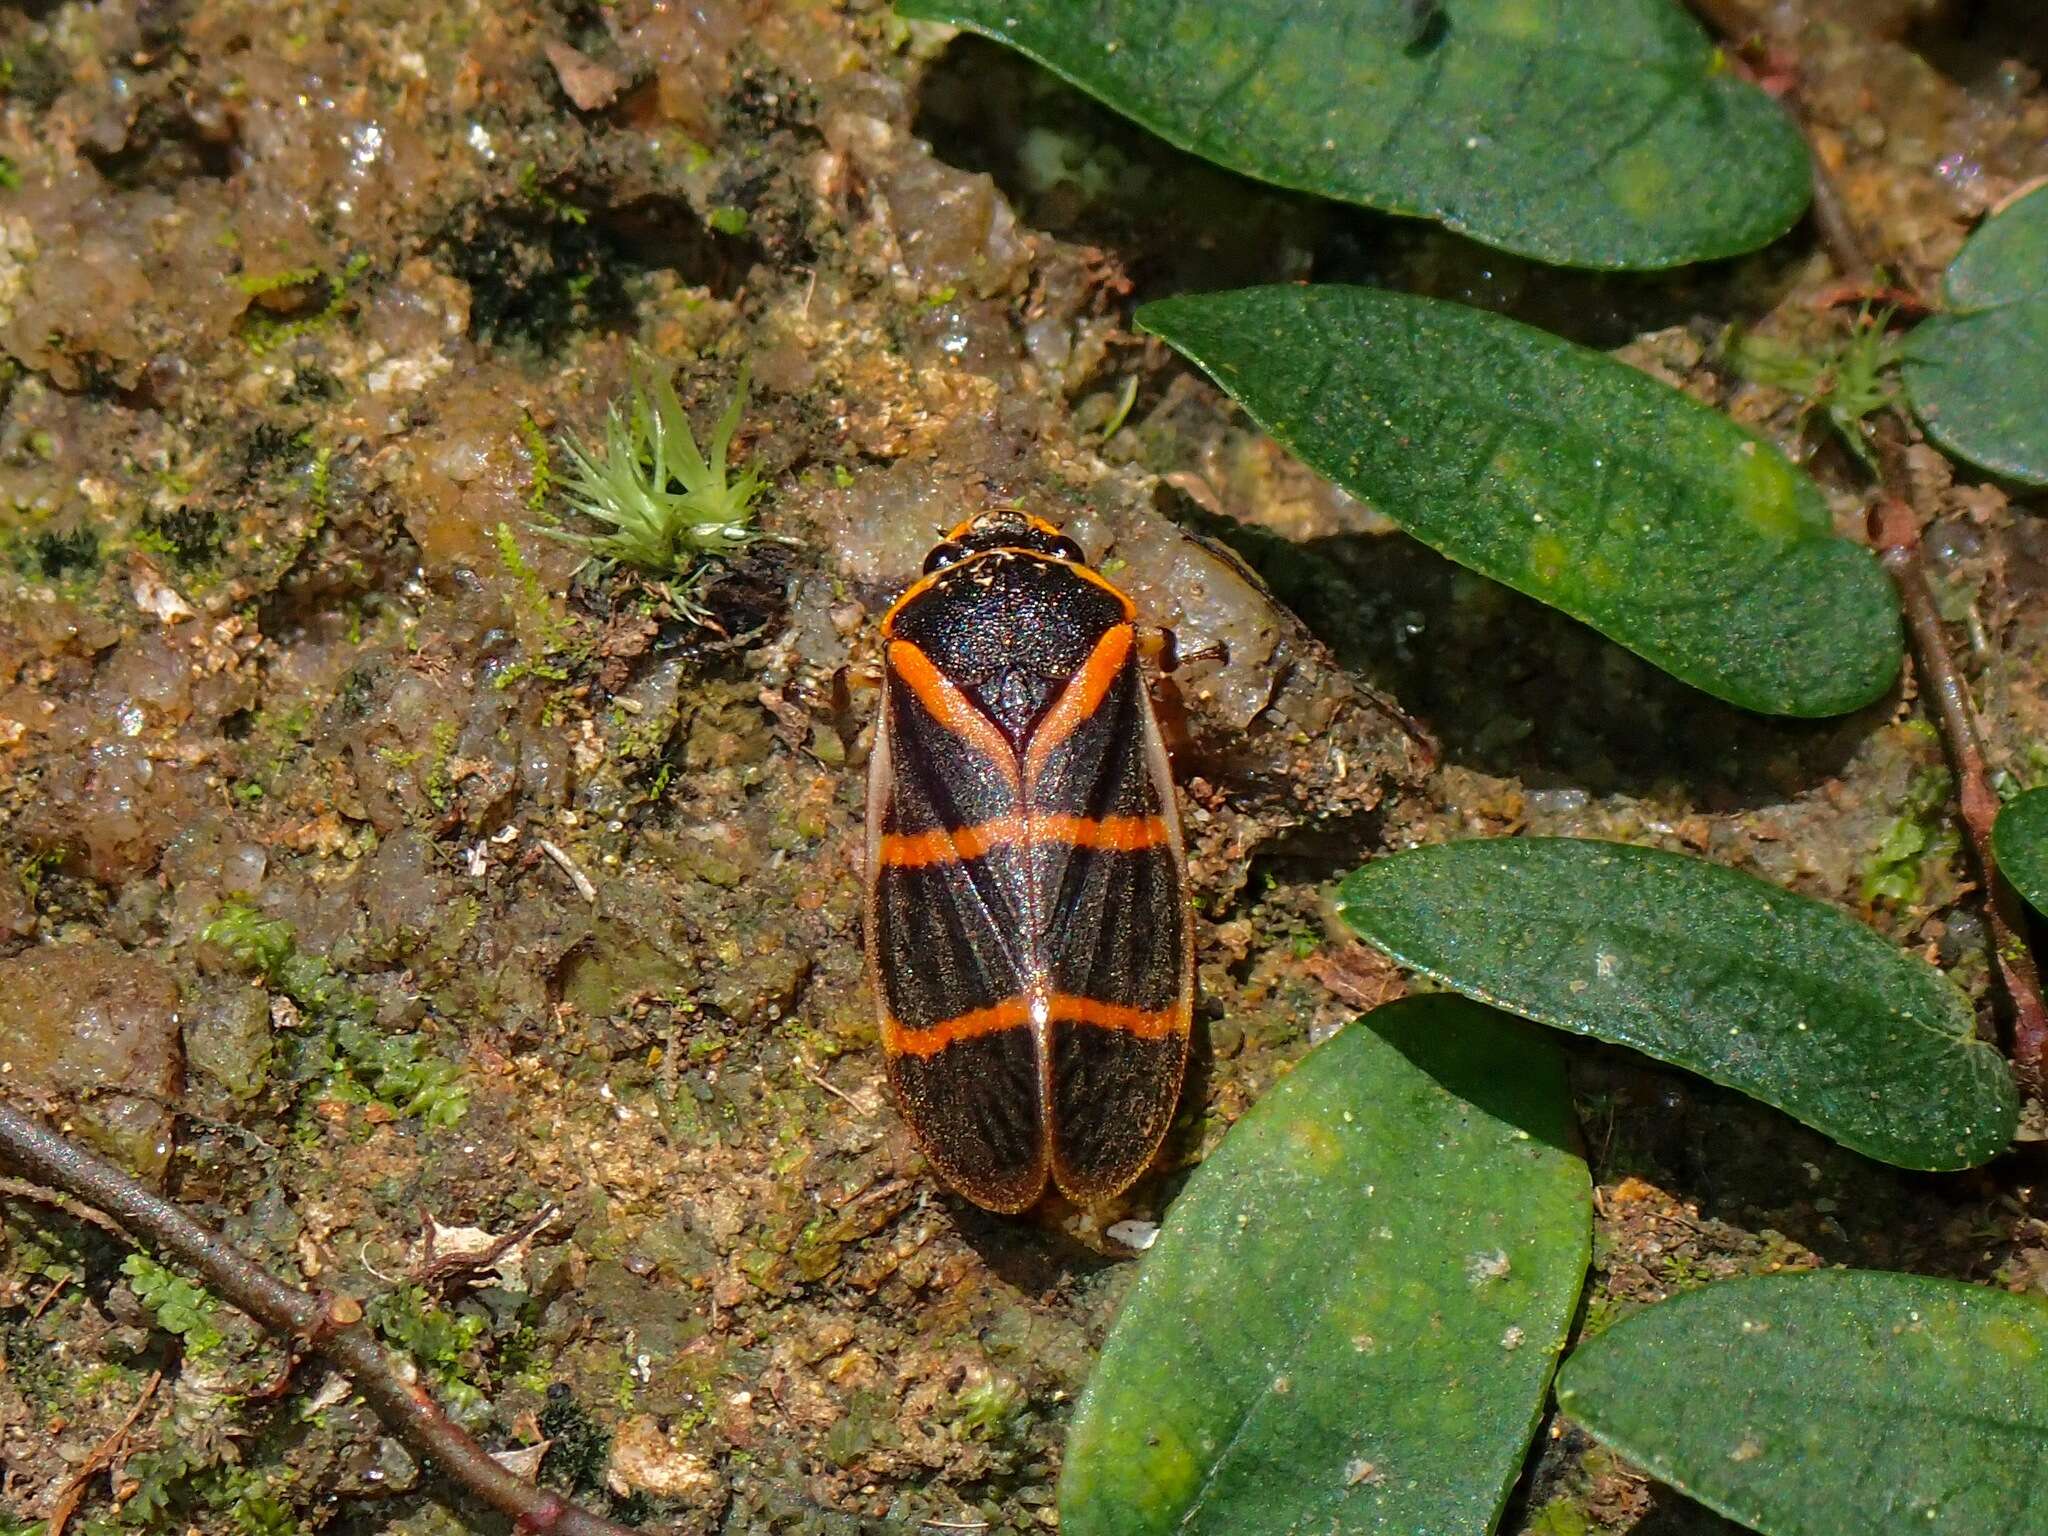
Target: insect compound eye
[1064,548]
[948,553]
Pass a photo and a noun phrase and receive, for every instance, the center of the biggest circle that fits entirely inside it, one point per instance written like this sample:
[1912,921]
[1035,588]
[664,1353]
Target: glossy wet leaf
[1782,997]
[1810,1405]
[1566,475]
[2019,841]
[1349,1320]
[1978,375]
[1600,136]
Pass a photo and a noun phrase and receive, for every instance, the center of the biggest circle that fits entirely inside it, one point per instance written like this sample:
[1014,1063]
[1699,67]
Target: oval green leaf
[1811,1405]
[1566,475]
[2019,841]
[1968,371]
[1779,996]
[1349,1321]
[1594,136]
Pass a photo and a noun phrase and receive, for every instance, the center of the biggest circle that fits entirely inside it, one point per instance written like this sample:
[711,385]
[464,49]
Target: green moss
[989,1408]
[190,537]
[549,637]
[57,553]
[537,192]
[438,788]
[541,482]
[1847,378]
[344,1050]
[1560,1517]
[266,333]
[255,285]
[179,1306]
[440,1341]
[317,476]
[664,506]
[1922,835]
[576,1461]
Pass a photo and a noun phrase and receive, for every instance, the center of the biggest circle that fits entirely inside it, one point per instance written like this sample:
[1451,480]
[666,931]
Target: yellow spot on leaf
[1315,1145]
[1169,1476]
[1767,496]
[1640,181]
[1521,18]
[2009,1339]
[1549,558]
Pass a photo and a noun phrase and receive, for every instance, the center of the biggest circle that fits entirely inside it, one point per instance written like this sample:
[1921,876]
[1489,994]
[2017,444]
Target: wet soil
[541,896]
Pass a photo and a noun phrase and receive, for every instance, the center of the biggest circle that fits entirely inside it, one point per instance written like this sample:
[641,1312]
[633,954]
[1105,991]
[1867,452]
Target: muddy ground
[376,879]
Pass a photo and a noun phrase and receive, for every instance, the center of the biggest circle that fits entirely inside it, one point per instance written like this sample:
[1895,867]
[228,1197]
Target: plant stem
[1895,531]
[330,1326]
[1831,221]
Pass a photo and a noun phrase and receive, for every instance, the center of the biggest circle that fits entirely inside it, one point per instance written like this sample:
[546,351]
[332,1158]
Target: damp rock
[112,807]
[17,912]
[952,228]
[467,474]
[96,1029]
[227,1034]
[644,1461]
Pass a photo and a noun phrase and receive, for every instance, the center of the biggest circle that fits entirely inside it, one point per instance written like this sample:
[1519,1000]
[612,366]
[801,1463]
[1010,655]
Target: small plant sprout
[664,505]
[1847,382]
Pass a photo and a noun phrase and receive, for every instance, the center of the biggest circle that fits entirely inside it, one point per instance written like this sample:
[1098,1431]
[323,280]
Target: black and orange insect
[1028,934]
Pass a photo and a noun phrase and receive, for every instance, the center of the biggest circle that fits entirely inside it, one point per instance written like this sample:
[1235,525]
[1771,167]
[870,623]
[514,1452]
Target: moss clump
[1847,380]
[345,1049]
[179,1306]
[663,505]
[1920,838]
[582,1447]
[59,552]
[439,1340]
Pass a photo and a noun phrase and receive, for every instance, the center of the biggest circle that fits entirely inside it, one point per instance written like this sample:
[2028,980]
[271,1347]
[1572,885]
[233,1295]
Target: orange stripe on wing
[1114,834]
[949,845]
[934,1038]
[1082,696]
[945,703]
[1146,1023]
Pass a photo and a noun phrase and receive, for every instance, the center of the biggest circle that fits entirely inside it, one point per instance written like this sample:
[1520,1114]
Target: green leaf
[1810,1405]
[1780,996]
[1349,1320]
[2019,841]
[1565,475]
[1976,375]
[1593,136]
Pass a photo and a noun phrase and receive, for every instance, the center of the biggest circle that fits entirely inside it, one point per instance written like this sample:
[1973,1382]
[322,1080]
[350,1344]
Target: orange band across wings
[952,845]
[1017,1012]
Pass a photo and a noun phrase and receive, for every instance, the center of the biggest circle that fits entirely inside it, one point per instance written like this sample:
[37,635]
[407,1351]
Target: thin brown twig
[1831,219]
[330,1326]
[21,1189]
[1895,530]
[103,1456]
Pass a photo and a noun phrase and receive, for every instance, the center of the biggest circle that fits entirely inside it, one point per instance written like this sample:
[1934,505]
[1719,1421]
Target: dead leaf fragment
[587,83]
[155,596]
